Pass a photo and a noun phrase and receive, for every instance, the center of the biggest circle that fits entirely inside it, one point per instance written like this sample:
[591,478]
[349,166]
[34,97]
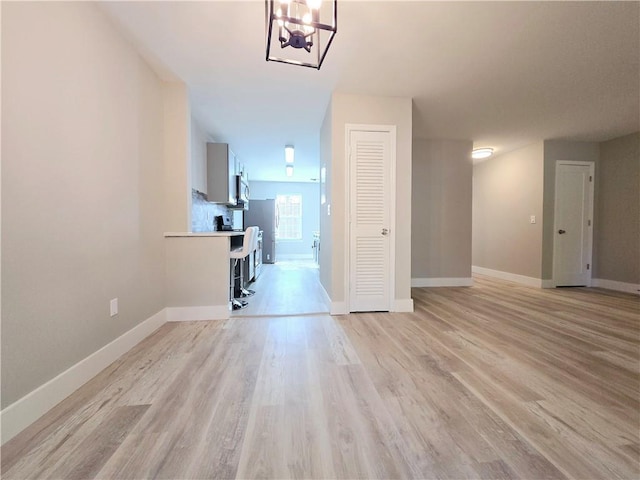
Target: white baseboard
[186,314]
[512,277]
[325,298]
[335,308]
[403,305]
[615,285]
[338,308]
[22,413]
[442,282]
[548,284]
[535,282]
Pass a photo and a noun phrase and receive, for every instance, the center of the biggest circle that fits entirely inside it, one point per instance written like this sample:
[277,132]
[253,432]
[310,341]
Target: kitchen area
[222,210]
[270,276]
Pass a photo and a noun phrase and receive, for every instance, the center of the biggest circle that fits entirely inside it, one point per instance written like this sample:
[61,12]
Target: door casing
[391,129]
[589,228]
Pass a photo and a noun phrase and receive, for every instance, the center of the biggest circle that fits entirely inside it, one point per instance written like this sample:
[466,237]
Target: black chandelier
[304,30]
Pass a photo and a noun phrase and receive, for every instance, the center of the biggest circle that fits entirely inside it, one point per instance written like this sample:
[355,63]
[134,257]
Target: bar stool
[254,246]
[237,254]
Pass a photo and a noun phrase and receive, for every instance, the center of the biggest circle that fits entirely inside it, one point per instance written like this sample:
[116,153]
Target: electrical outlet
[533,219]
[113,307]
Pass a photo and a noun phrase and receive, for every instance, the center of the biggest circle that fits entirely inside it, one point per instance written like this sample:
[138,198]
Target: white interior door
[370,233]
[573,230]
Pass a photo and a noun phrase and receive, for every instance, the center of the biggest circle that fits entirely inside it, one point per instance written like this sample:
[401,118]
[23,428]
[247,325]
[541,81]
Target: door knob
[385,231]
[561,231]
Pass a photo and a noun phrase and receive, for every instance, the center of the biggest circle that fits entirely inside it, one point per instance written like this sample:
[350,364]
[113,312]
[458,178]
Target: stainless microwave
[242,192]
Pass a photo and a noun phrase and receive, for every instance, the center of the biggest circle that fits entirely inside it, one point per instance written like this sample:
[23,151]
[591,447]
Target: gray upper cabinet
[221,171]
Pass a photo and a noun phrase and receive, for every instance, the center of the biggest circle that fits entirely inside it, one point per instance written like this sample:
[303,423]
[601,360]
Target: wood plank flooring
[286,287]
[493,381]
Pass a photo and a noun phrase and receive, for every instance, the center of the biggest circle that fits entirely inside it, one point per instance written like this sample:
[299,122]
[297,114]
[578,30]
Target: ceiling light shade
[479,153]
[300,32]
[288,153]
[289,170]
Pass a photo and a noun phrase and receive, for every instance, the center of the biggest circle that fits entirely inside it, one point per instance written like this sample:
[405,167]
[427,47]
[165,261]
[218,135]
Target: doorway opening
[286,287]
[286,281]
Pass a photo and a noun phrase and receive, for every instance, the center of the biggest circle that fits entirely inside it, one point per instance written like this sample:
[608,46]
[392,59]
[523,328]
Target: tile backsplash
[204,212]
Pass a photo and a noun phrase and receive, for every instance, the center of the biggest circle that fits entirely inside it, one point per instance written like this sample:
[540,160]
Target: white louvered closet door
[370,231]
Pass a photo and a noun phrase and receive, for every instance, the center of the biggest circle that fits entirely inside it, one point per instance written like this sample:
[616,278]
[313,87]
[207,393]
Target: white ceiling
[503,74]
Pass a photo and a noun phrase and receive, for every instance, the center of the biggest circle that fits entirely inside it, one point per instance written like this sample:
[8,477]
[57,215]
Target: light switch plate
[533,219]
[113,307]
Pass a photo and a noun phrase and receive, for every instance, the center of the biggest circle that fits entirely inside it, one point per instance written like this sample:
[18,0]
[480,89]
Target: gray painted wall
[507,190]
[310,213]
[503,197]
[617,207]
[361,109]
[82,189]
[442,174]
[176,139]
[326,226]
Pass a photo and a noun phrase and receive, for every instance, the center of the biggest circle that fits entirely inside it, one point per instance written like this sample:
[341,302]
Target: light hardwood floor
[286,287]
[493,381]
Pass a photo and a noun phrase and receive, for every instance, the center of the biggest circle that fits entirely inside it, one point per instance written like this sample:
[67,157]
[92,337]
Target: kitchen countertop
[204,234]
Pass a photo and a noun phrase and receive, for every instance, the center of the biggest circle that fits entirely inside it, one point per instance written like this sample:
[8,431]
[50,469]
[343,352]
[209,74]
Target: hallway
[286,288]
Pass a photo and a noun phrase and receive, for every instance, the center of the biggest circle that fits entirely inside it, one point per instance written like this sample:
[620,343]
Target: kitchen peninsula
[198,274]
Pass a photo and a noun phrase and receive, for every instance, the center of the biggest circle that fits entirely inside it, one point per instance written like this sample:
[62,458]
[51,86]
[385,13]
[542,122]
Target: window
[290,217]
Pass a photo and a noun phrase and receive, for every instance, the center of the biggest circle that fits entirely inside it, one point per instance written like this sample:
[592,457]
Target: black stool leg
[235,303]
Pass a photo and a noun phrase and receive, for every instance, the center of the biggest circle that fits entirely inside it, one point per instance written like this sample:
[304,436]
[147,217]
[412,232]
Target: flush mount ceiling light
[288,153]
[479,153]
[300,32]
[289,170]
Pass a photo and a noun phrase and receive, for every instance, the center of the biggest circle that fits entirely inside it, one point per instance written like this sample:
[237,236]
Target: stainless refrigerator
[264,214]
